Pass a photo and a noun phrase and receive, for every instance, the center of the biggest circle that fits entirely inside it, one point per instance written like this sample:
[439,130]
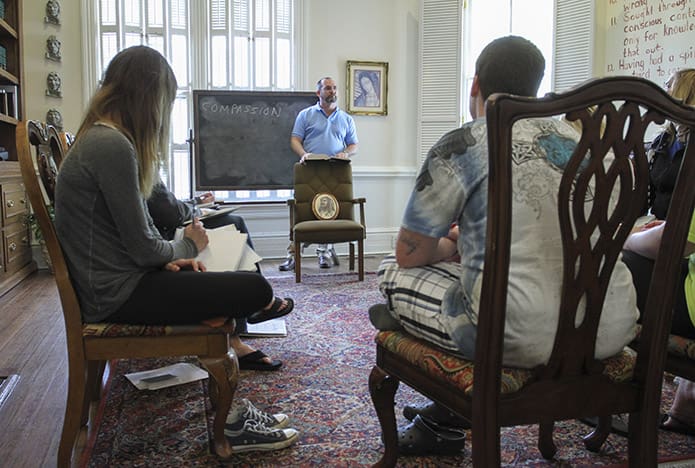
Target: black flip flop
[618,424]
[675,425]
[276,310]
[254,361]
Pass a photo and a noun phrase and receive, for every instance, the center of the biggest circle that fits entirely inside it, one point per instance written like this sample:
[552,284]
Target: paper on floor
[167,376]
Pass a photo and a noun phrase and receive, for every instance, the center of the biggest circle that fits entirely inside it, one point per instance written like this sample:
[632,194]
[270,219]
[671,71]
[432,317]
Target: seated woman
[666,150]
[122,269]
[169,213]
[639,253]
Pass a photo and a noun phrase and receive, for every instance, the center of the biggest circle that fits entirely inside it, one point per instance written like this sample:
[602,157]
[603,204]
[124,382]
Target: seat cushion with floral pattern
[103,329]
[450,368]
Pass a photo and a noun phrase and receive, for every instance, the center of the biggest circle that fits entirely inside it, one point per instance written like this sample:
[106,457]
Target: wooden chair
[335,178]
[573,384]
[91,345]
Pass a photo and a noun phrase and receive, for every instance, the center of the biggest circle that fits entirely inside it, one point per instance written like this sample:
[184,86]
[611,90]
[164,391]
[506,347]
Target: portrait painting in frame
[367,87]
[325,206]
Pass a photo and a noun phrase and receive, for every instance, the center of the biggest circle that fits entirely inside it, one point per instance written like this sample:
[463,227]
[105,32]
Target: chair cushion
[681,346]
[449,368]
[103,329]
[328,231]
[677,345]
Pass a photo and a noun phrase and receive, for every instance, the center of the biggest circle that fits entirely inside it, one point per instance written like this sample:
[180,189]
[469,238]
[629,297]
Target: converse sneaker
[244,410]
[252,436]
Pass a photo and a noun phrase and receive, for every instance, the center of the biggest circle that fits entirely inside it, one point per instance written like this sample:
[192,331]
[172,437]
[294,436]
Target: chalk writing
[650,38]
[217,108]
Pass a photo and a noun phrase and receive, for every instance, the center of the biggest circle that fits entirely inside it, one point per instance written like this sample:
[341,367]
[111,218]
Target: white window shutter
[440,67]
[573,48]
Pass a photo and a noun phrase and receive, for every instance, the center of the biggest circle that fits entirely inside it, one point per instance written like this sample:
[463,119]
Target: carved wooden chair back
[609,156]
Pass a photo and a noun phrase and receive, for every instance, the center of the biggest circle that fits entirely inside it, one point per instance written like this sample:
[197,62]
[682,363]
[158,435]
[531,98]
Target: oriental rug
[328,354]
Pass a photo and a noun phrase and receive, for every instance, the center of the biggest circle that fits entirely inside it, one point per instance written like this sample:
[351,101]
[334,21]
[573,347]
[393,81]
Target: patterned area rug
[328,354]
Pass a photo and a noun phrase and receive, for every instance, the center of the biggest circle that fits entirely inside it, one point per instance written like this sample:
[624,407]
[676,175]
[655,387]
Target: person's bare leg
[242,349]
[683,407]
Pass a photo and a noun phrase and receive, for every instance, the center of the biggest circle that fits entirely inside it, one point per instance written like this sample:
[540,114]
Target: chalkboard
[650,38]
[242,138]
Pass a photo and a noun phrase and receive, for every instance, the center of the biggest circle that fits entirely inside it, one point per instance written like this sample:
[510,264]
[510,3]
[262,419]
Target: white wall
[36,67]
[333,33]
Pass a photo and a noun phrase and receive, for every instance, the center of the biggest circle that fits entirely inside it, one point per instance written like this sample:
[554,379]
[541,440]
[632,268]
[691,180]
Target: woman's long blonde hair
[137,96]
[681,85]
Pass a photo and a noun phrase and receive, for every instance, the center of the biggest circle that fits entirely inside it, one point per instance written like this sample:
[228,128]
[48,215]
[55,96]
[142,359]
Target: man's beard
[331,99]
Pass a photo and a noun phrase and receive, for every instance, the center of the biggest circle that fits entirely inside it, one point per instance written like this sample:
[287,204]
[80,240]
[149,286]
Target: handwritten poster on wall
[650,38]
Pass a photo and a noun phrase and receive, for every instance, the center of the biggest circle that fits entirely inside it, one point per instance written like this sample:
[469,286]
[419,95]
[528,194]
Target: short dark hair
[319,83]
[510,64]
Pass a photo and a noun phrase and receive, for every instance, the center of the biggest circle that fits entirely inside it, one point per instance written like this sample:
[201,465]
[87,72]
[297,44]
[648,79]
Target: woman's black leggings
[641,269]
[188,297]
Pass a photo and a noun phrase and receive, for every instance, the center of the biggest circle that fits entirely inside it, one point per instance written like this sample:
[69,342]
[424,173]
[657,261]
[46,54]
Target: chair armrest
[361,201]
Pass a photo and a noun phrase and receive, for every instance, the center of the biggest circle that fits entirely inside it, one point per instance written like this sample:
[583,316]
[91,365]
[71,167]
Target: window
[212,44]
[486,20]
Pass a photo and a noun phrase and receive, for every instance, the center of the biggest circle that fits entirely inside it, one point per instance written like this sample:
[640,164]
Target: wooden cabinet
[15,240]
[15,246]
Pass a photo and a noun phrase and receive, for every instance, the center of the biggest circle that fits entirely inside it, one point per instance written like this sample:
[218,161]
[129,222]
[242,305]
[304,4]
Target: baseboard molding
[275,246]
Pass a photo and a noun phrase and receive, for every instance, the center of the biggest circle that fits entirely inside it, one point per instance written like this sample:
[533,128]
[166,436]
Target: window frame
[178,173]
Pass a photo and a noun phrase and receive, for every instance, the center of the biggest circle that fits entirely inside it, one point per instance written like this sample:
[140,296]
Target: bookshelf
[15,253]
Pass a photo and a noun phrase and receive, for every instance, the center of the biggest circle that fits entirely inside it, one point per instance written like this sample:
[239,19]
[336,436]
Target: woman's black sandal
[278,309]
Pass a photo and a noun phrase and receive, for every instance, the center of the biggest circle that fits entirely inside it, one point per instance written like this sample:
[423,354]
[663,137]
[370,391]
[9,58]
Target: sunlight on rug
[322,386]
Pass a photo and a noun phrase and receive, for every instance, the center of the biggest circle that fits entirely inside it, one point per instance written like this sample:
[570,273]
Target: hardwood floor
[32,346]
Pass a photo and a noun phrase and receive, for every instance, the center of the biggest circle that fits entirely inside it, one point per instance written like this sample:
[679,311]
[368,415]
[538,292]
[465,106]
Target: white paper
[167,376]
[249,258]
[227,250]
[224,250]
[275,327]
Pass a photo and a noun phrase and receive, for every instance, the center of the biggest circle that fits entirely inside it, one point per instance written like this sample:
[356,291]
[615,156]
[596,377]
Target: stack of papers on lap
[249,258]
[227,250]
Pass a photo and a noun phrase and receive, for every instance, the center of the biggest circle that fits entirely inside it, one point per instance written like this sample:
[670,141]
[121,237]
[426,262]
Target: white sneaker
[244,410]
[252,436]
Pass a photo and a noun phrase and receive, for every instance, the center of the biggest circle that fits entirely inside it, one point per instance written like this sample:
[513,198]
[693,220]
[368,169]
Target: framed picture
[367,87]
[325,206]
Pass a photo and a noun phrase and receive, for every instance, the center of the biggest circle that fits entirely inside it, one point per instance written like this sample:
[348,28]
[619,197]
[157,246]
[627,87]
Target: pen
[194,202]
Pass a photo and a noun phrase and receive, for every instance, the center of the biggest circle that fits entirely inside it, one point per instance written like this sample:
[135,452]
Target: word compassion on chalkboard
[650,38]
[242,138]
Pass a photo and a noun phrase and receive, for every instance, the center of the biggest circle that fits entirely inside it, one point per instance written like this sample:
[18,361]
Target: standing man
[323,129]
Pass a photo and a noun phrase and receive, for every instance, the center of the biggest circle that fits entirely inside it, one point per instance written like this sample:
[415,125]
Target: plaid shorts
[415,297]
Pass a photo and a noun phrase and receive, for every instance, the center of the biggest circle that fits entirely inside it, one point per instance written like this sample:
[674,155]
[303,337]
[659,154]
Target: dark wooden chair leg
[95,372]
[643,447]
[360,258]
[382,388]
[297,262]
[73,413]
[352,256]
[546,445]
[225,372]
[594,441]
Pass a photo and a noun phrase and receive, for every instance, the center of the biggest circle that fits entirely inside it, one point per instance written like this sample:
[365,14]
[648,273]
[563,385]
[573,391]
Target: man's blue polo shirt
[324,134]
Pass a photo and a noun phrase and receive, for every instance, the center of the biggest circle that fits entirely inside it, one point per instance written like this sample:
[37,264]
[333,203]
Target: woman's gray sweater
[103,225]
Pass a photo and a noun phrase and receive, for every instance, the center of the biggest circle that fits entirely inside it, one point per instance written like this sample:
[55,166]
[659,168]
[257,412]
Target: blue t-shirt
[324,134]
